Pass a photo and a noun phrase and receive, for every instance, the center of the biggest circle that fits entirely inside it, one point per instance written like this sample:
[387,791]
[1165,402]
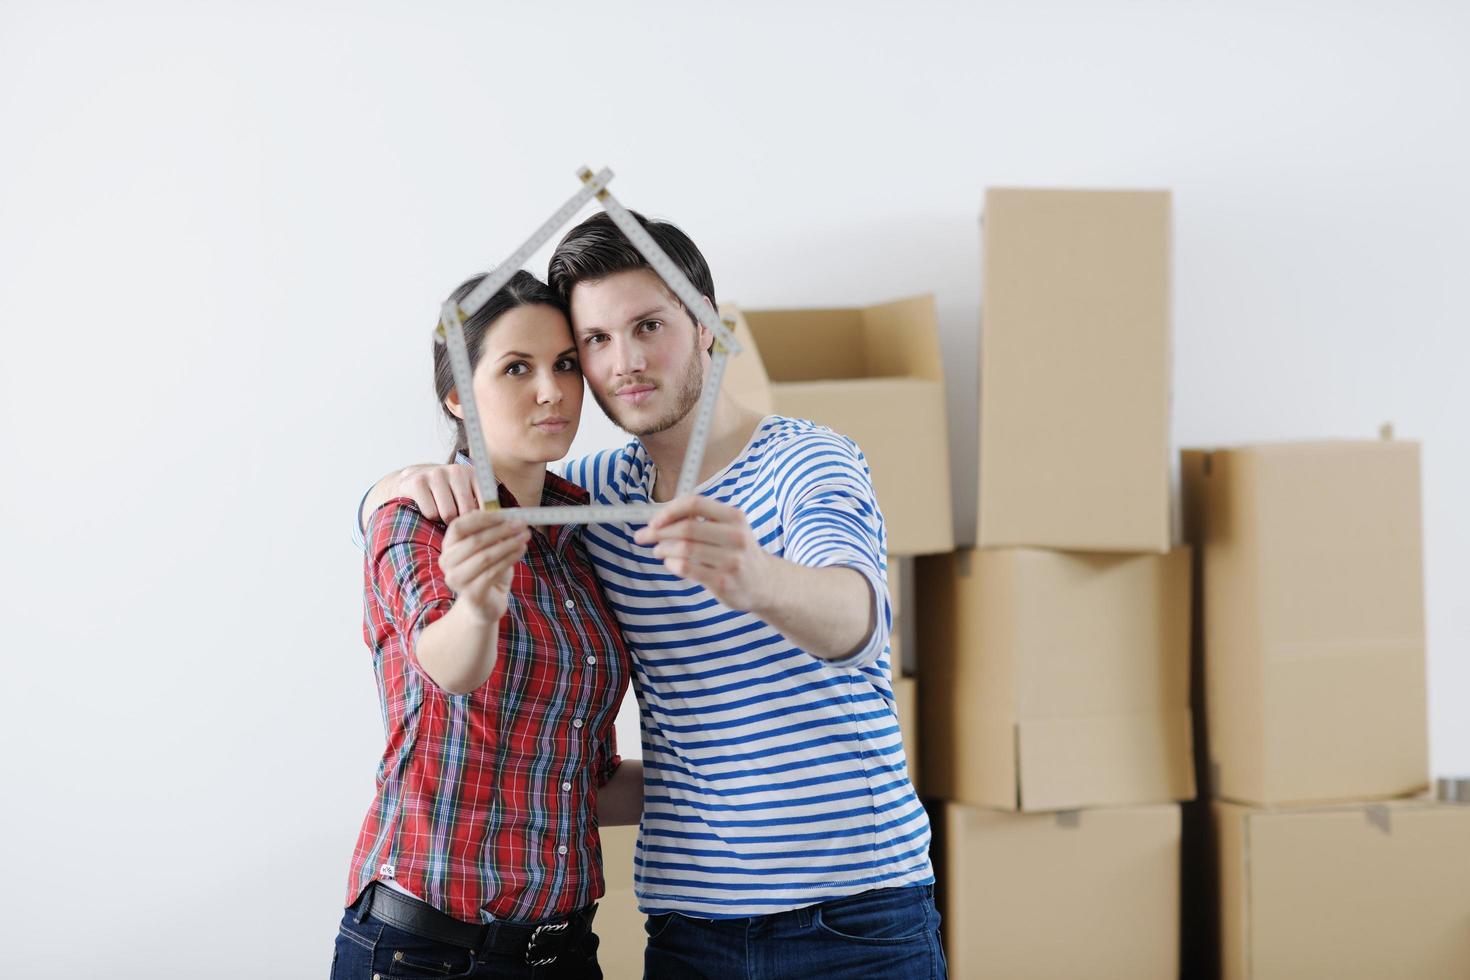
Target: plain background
[225,228]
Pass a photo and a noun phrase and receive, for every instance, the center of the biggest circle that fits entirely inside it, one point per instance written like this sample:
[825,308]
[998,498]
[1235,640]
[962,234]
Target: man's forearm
[828,612]
[620,800]
[380,494]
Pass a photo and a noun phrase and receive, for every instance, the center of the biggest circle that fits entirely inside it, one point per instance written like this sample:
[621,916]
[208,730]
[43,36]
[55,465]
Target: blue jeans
[892,933]
[369,949]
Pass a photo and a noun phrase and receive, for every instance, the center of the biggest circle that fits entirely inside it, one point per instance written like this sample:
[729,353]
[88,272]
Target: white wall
[224,230]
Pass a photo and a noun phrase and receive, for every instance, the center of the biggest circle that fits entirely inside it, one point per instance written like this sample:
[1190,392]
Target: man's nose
[630,357]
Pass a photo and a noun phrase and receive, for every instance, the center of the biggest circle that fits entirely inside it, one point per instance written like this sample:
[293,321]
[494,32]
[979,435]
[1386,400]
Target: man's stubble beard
[689,386]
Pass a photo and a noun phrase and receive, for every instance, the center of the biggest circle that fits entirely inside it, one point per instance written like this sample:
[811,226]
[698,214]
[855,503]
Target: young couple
[780,835]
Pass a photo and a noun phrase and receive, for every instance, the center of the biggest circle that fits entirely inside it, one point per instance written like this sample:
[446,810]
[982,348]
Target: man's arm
[620,800]
[441,492]
[831,612]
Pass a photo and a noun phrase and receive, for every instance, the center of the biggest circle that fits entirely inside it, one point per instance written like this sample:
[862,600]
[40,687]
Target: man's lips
[636,394]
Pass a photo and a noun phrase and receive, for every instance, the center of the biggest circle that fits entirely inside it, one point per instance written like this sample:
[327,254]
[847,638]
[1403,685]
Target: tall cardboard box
[1089,893]
[1349,892]
[873,374]
[1055,680]
[1313,606]
[1075,366]
[619,924]
[902,654]
[906,694]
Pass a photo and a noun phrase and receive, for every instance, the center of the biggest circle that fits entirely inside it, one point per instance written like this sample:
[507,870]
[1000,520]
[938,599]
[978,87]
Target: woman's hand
[481,549]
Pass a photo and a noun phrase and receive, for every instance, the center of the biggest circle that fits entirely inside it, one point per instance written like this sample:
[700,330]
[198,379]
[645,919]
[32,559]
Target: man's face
[640,353]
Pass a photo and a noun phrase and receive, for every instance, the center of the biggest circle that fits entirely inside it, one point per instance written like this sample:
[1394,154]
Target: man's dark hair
[597,248]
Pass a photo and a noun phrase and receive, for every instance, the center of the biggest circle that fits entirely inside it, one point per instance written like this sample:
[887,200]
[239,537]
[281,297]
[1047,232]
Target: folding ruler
[450,332]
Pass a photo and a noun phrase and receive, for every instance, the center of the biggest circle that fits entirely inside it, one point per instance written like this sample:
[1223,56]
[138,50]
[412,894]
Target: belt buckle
[556,930]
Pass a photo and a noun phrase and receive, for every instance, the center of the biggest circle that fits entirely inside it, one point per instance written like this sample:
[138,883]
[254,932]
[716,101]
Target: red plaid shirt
[488,800]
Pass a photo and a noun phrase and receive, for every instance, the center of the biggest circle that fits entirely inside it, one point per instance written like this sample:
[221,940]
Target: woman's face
[528,386]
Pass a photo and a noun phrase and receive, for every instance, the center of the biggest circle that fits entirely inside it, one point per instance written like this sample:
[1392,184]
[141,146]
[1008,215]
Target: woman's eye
[517,369]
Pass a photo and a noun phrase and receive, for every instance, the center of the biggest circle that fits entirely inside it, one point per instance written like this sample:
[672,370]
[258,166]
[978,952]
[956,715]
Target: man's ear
[706,335]
[451,402]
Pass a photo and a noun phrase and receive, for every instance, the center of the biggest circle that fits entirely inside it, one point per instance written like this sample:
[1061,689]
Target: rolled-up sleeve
[830,518]
[403,560]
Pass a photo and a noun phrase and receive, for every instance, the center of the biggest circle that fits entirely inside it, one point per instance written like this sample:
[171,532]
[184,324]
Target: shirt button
[566,787]
[592,660]
[570,604]
[576,722]
[562,849]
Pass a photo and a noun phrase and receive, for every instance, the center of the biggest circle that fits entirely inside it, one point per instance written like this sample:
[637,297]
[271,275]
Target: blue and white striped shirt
[773,778]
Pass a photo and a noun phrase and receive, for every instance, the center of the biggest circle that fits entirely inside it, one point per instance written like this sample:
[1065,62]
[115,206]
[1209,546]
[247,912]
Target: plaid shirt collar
[556,492]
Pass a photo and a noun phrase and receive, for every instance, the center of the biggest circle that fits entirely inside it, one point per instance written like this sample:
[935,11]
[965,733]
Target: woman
[500,670]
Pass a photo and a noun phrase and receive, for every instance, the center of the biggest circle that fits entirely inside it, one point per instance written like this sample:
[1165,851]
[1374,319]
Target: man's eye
[594,338]
[567,364]
[516,369]
[649,326]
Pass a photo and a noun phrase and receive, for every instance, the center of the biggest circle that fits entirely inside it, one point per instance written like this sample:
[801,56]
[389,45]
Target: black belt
[541,944]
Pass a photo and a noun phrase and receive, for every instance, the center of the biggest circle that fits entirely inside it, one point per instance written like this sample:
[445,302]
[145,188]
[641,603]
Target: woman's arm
[620,801]
[481,549]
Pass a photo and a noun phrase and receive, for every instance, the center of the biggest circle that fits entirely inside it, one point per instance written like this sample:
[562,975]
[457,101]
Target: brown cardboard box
[1313,605]
[857,371]
[1089,893]
[1340,892]
[1055,680]
[619,924]
[900,592]
[906,693]
[1075,369]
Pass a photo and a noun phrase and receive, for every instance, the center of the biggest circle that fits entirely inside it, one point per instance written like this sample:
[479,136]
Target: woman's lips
[552,425]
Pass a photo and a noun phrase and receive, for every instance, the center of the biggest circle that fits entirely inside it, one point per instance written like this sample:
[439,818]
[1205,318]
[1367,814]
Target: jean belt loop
[364,903]
[804,916]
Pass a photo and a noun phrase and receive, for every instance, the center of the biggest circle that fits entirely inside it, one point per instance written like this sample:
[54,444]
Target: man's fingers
[706,532]
[694,554]
[691,507]
[462,486]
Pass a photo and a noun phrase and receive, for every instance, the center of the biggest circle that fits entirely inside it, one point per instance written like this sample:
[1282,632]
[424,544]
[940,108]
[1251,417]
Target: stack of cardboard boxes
[1054,658]
[1312,608]
[1074,673]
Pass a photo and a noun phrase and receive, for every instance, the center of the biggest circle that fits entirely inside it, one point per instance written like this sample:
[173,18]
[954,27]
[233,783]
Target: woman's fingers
[478,529]
[461,573]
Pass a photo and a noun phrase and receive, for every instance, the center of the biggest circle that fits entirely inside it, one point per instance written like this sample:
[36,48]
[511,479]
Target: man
[781,835]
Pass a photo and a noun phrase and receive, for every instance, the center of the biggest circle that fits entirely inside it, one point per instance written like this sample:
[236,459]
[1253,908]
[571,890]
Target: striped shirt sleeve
[830,518]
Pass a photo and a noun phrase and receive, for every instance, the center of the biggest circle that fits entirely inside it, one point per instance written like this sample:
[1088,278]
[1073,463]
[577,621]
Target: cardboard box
[1351,891]
[906,693]
[1055,680]
[1313,606]
[619,924]
[1075,367]
[857,371]
[901,649]
[1089,893]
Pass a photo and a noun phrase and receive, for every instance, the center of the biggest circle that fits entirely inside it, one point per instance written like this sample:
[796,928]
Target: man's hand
[441,492]
[479,558]
[711,543]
